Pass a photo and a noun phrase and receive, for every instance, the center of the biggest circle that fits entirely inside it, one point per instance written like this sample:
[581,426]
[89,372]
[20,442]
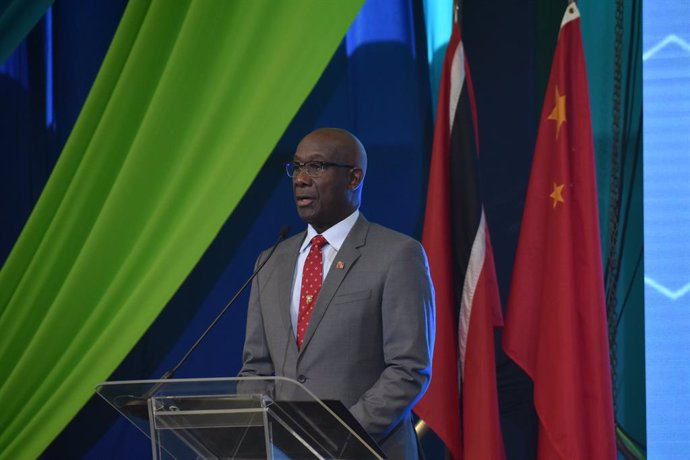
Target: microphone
[284,230]
[132,402]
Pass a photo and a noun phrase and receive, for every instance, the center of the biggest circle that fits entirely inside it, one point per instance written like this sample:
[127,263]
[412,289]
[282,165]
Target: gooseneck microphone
[137,404]
[284,230]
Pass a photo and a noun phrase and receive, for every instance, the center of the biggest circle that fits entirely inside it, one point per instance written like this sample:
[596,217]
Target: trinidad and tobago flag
[461,404]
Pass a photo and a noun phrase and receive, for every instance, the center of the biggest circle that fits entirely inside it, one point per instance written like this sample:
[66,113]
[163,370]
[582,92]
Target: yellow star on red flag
[557,194]
[558,112]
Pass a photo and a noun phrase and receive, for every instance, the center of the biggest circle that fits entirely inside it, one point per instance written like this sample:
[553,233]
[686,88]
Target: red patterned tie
[311,285]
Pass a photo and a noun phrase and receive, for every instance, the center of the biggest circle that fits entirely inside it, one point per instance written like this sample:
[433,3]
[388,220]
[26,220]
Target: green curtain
[17,18]
[612,36]
[189,102]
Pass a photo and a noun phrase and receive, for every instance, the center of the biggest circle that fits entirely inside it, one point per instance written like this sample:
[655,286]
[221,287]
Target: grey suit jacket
[370,338]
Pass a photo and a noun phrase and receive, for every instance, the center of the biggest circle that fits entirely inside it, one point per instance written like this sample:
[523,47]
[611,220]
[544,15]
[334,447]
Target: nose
[301,177]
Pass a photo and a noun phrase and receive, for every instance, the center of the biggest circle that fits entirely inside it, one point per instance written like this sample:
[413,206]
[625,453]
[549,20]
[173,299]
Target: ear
[356,177]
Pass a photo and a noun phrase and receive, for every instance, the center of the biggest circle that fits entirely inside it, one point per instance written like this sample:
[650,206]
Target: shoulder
[393,244]
[383,235]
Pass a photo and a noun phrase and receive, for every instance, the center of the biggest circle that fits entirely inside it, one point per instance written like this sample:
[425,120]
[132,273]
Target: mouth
[304,200]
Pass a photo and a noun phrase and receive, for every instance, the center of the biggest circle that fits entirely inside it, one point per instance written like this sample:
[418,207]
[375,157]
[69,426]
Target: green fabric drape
[17,18]
[190,100]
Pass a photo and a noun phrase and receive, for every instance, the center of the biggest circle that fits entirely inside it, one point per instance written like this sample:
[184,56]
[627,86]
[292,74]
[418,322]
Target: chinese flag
[556,321]
[456,239]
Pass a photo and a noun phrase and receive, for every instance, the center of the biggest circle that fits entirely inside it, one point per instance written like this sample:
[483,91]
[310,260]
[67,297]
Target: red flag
[556,323]
[468,307]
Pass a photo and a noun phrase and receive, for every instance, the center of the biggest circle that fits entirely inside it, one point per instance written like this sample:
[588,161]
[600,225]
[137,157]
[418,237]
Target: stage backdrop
[377,84]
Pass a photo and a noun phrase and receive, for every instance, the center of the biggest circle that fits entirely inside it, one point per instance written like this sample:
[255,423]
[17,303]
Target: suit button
[301,379]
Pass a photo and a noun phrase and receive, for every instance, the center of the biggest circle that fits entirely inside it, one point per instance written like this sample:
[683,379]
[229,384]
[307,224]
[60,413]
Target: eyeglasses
[313,168]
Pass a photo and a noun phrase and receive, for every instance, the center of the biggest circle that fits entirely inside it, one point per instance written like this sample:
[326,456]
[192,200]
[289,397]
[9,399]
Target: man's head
[336,192]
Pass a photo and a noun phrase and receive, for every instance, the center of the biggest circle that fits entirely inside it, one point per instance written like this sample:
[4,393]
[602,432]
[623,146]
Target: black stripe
[465,198]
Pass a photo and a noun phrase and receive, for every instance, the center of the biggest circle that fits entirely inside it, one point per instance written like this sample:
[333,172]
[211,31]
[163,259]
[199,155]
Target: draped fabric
[17,17]
[189,102]
[616,100]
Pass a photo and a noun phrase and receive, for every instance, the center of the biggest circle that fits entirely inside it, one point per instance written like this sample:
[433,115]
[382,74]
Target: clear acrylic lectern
[238,418]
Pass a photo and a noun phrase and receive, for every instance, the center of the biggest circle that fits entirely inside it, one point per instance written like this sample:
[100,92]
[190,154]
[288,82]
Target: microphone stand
[134,403]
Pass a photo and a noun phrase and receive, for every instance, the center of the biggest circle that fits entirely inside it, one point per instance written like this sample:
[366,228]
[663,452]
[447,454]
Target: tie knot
[319,241]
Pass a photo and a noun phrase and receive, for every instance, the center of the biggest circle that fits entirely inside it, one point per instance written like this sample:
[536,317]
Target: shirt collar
[335,235]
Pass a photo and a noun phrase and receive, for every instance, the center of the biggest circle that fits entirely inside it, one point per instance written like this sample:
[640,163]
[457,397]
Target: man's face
[325,200]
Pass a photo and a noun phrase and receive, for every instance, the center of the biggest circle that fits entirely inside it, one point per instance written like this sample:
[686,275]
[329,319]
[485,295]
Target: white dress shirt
[335,236]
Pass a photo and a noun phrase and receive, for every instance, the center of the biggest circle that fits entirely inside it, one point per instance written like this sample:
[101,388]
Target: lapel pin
[340,265]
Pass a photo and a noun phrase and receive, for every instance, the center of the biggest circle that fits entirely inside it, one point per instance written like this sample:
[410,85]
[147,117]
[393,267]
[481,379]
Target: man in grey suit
[365,335]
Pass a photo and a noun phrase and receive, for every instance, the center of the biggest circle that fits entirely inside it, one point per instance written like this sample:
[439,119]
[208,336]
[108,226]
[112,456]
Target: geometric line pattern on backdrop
[684,45]
[673,38]
[666,292]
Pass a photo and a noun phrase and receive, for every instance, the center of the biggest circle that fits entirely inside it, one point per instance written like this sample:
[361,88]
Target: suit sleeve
[407,310]
[256,360]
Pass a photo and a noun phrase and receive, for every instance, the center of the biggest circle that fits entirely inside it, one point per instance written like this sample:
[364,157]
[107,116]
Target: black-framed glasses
[313,168]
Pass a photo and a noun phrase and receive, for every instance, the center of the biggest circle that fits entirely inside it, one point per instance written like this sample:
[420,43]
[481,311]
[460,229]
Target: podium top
[185,404]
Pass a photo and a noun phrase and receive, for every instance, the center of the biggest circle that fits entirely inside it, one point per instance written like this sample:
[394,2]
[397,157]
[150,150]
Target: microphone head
[284,230]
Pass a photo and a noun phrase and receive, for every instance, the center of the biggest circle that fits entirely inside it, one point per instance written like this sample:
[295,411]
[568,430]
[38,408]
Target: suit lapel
[347,256]
[287,257]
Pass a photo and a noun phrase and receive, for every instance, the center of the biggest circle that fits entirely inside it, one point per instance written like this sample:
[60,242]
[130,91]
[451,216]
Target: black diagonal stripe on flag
[466,204]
